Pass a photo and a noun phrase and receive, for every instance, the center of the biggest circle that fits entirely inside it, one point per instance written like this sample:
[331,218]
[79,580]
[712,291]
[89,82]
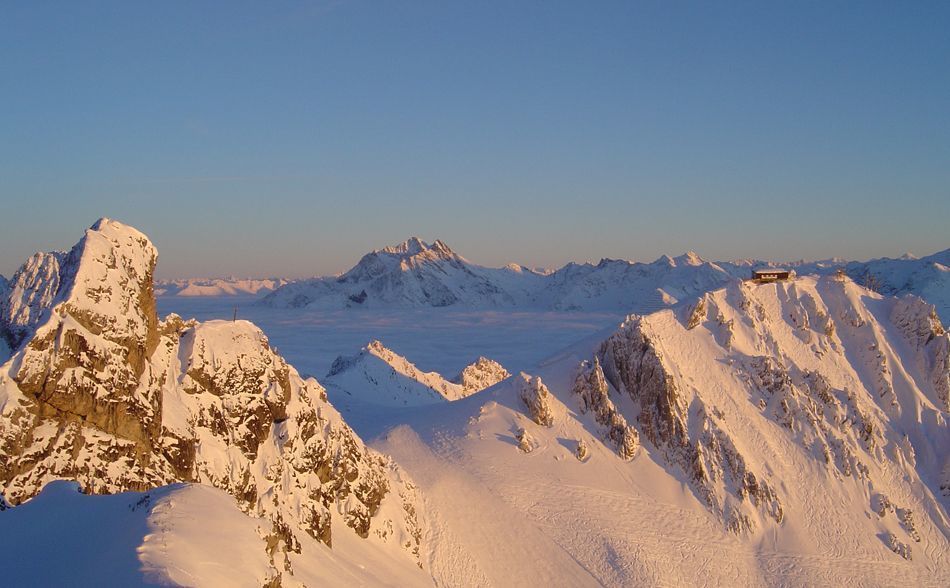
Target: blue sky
[288,138]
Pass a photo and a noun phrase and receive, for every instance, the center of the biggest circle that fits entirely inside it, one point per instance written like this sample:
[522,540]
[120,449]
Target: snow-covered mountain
[774,434]
[100,391]
[379,376]
[414,274]
[927,277]
[218,286]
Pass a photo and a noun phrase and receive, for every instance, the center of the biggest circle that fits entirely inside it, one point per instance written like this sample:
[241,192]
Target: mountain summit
[410,274]
[100,391]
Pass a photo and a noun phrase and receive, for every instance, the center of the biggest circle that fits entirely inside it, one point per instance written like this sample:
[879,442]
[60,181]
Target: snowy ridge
[856,382]
[217,286]
[379,376]
[106,395]
[927,277]
[417,274]
[760,435]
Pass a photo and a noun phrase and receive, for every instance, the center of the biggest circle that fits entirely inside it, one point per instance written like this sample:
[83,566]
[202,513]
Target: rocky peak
[481,374]
[105,394]
[690,258]
[410,246]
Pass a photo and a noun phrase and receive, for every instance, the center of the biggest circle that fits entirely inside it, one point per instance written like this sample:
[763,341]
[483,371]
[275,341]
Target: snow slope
[927,277]
[171,535]
[218,286]
[781,434]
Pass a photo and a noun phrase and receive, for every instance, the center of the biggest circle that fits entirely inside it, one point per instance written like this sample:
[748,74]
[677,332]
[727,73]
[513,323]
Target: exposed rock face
[536,398]
[105,394]
[921,326]
[634,365]
[526,442]
[592,391]
[817,358]
[480,375]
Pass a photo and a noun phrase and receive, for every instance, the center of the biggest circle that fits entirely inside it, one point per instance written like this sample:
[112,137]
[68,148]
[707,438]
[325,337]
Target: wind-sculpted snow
[105,394]
[856,382]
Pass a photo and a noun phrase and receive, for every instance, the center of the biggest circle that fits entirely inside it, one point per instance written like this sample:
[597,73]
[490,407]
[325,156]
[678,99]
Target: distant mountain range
[217,286]
[417,274]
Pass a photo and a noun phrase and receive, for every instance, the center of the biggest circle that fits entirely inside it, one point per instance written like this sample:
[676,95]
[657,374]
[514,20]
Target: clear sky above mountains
[290,138]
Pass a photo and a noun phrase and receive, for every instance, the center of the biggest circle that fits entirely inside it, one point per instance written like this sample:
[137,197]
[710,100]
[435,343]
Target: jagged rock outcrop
[526,442]
[536,398]
[582,451]
[592,390]
[816,358]
[105,394]
[633,364]
[921,326]
[480,375]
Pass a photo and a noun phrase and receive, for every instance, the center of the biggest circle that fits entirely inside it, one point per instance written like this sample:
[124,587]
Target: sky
[289,138]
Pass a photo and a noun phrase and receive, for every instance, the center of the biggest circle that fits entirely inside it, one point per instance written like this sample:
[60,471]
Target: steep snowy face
[379,376]
[415,273]
[105,394]
[24,299]
[742,392]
